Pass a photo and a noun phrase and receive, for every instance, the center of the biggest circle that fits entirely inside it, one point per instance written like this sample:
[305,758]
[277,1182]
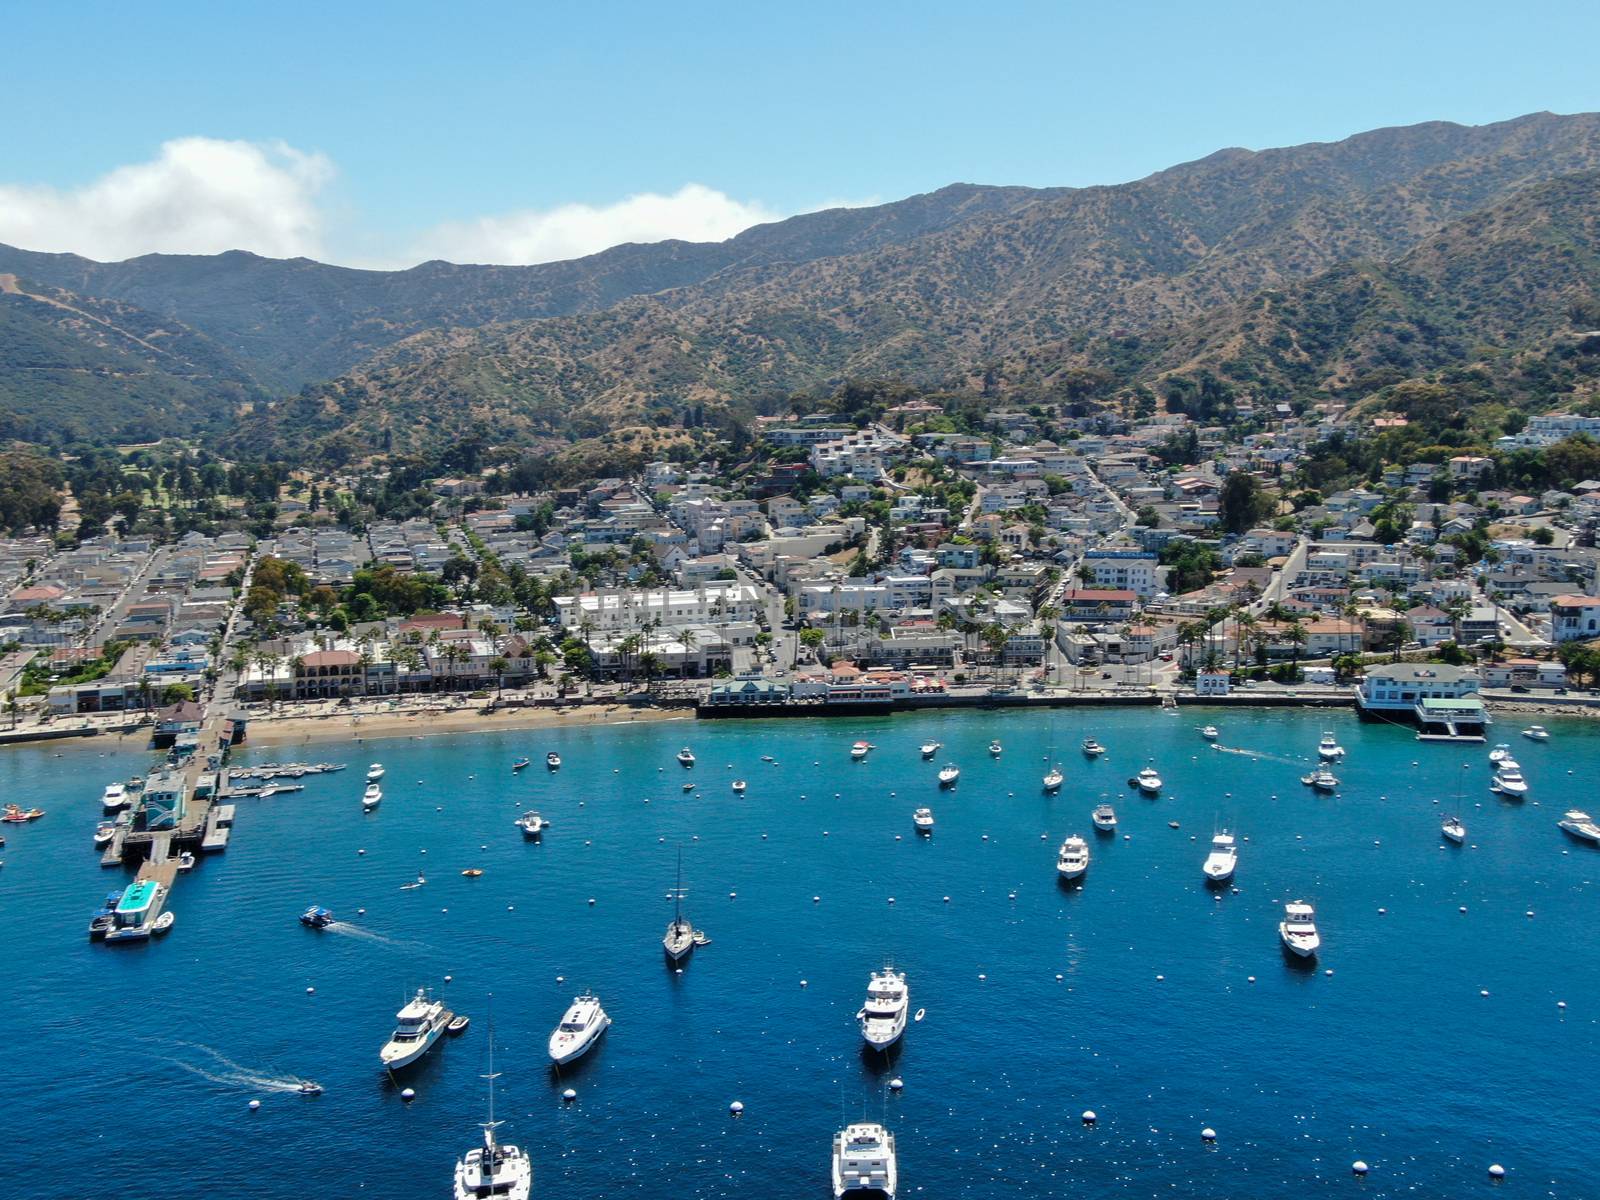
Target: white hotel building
[631,609]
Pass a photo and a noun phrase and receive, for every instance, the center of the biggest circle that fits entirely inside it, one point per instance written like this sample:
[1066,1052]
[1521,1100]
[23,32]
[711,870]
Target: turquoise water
[1130,995]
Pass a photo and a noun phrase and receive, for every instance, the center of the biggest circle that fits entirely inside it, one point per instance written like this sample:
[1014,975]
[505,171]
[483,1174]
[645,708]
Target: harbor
[1125,986]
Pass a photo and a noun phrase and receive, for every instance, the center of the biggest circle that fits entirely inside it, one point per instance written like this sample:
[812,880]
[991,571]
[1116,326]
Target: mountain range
[1334,269]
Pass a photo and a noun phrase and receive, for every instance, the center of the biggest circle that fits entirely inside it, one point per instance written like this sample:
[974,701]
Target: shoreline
[296,730]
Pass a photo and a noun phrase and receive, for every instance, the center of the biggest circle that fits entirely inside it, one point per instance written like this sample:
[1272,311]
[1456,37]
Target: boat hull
[576,1050]
[412,1053]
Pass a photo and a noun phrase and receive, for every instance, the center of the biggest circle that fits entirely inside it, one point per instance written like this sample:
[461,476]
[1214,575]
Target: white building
[632,609]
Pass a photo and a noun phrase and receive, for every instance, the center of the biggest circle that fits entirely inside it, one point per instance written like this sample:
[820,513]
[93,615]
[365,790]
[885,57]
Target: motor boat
[531,824]
[883,1017]
[686,757]
[1321,780]
[417,1027]
[309,1087]
[186,861]
[1508,764]
[1073,858]
[1053,779]
[1104,818]
[15,814]
[1224,857]
[317,917]
[859,750]
[1453,830]
[1147,781]
[1580,825]
[1092,748]
[739,786]
[372,797]
[1500,753]
[864,1162]
[520,764]
[1298,929]
[164,922]
[1508,781]
[1210,733]
[1329,749]
[103,833]
[374,772]
[688,787]
[493,1169]
[579,1030]
[104,919]
[929,749]
[1536,733]
[995,749]
[553,761]
[923,820]
[948,774]
[115,796]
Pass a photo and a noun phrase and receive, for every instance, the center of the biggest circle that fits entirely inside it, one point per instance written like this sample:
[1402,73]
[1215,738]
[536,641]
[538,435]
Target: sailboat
[679,940]
[493,1169]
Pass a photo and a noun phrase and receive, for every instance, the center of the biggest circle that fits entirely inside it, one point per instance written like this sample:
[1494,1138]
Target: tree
[1242,503]
[498,665]
[176,693]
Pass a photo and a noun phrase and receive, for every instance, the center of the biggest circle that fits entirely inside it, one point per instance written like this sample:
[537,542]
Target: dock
[219,828]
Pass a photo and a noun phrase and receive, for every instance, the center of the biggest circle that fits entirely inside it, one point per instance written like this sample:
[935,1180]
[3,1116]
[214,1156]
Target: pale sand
[344,727]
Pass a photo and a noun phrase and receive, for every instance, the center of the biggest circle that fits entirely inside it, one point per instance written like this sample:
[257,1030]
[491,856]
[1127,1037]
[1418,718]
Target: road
[112,617]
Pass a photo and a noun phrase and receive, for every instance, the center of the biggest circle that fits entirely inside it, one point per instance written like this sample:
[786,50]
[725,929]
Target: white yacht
[1508,781]
[995,748]
[1536,733]
[1104,818]
[1092,748]
[883,1017]
[678,941]
[1321,780]
[686,757]
[1453,830]
[1073,858]
[1147,781]
[1298,929]
[493,1170]
[1224,857]
[1580,825]
[864,1162]
[115,796]
[374,772]
[579,1030]
[923,820]
[372,797]
[1210,733]
[531,824]
[1500,753]
[1328,748]
[417,1027]
[929,749]
[1052,779]
[948,774]
[859,750]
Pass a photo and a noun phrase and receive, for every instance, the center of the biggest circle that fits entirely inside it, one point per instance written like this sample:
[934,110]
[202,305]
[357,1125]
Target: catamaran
[493,1170]
[883,1017]
[417,1027]
[1224,856]
[864,1163]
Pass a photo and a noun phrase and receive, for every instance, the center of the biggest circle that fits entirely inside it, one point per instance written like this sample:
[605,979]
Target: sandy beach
[344,727]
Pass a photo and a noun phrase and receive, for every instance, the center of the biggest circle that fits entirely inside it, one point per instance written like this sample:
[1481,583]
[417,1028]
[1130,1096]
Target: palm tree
[498,665]
[1296,637]
[1244,625]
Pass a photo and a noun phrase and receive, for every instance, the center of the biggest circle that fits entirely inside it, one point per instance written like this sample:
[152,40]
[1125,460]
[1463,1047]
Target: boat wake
[371,935]
[1258,755]
[227,1073]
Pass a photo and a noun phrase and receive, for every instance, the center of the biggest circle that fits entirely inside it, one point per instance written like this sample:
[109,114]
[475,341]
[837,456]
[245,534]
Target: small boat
[16,814]
[1298,929]
[1092,748]
[580,1029]
[1210,733]
[458,1025]
[688,787]
[1508,781]
[372,797]
[864,1162]
[417,1027]
[686,757]
[1104,818]
[859,750]
[1322,780]
[1453,830]
[1072,860]
[739,786]
[929,749]
[103,833]
[186,861]
[1580,825]
[883,1017]
[1173,825]
[1500,753]
[374,772]
[1536,733]
[114,797]
[520,764]
[1052,779]
[994,749]
[553,761]
[948,774]
[767,758]
[1147,781]
[473,872]
[104,919]
[317,917]
[414,884]
[1224,857]
[1328,748]
[923,820]
[531,824]
[309,1087]
[164,922]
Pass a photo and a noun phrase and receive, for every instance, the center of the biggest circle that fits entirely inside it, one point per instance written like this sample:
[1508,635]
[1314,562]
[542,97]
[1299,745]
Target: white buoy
[254,1104]
[449,978]
[591,901]
[1161,978]
[1058,976]
[359,853]
[733,895]
[1249,978]
[311,991]
[511,908]
[891,899]
[981,976]
[1383,912]
[1496,1171]
[1088,1116]
[1483,992]
[947,899]
[1358,1167]
[816,899]
[570,1095]
[361,912]
[1208,1134]
[803,983]
[736,1107]
[1329,971]
[1561,1004]
[408,1094]
[1463,908]
[896,1084]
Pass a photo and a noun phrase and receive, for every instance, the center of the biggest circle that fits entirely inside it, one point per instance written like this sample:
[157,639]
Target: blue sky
[380,133]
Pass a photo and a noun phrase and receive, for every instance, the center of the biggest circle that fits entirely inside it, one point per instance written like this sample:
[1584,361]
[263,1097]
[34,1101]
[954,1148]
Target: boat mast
[490,1150]
[677,893]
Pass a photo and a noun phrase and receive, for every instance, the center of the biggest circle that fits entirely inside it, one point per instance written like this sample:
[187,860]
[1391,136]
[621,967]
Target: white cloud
[694,213]
[198,196]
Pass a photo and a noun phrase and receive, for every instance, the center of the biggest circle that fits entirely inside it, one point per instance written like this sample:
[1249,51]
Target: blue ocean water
[129,1068]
